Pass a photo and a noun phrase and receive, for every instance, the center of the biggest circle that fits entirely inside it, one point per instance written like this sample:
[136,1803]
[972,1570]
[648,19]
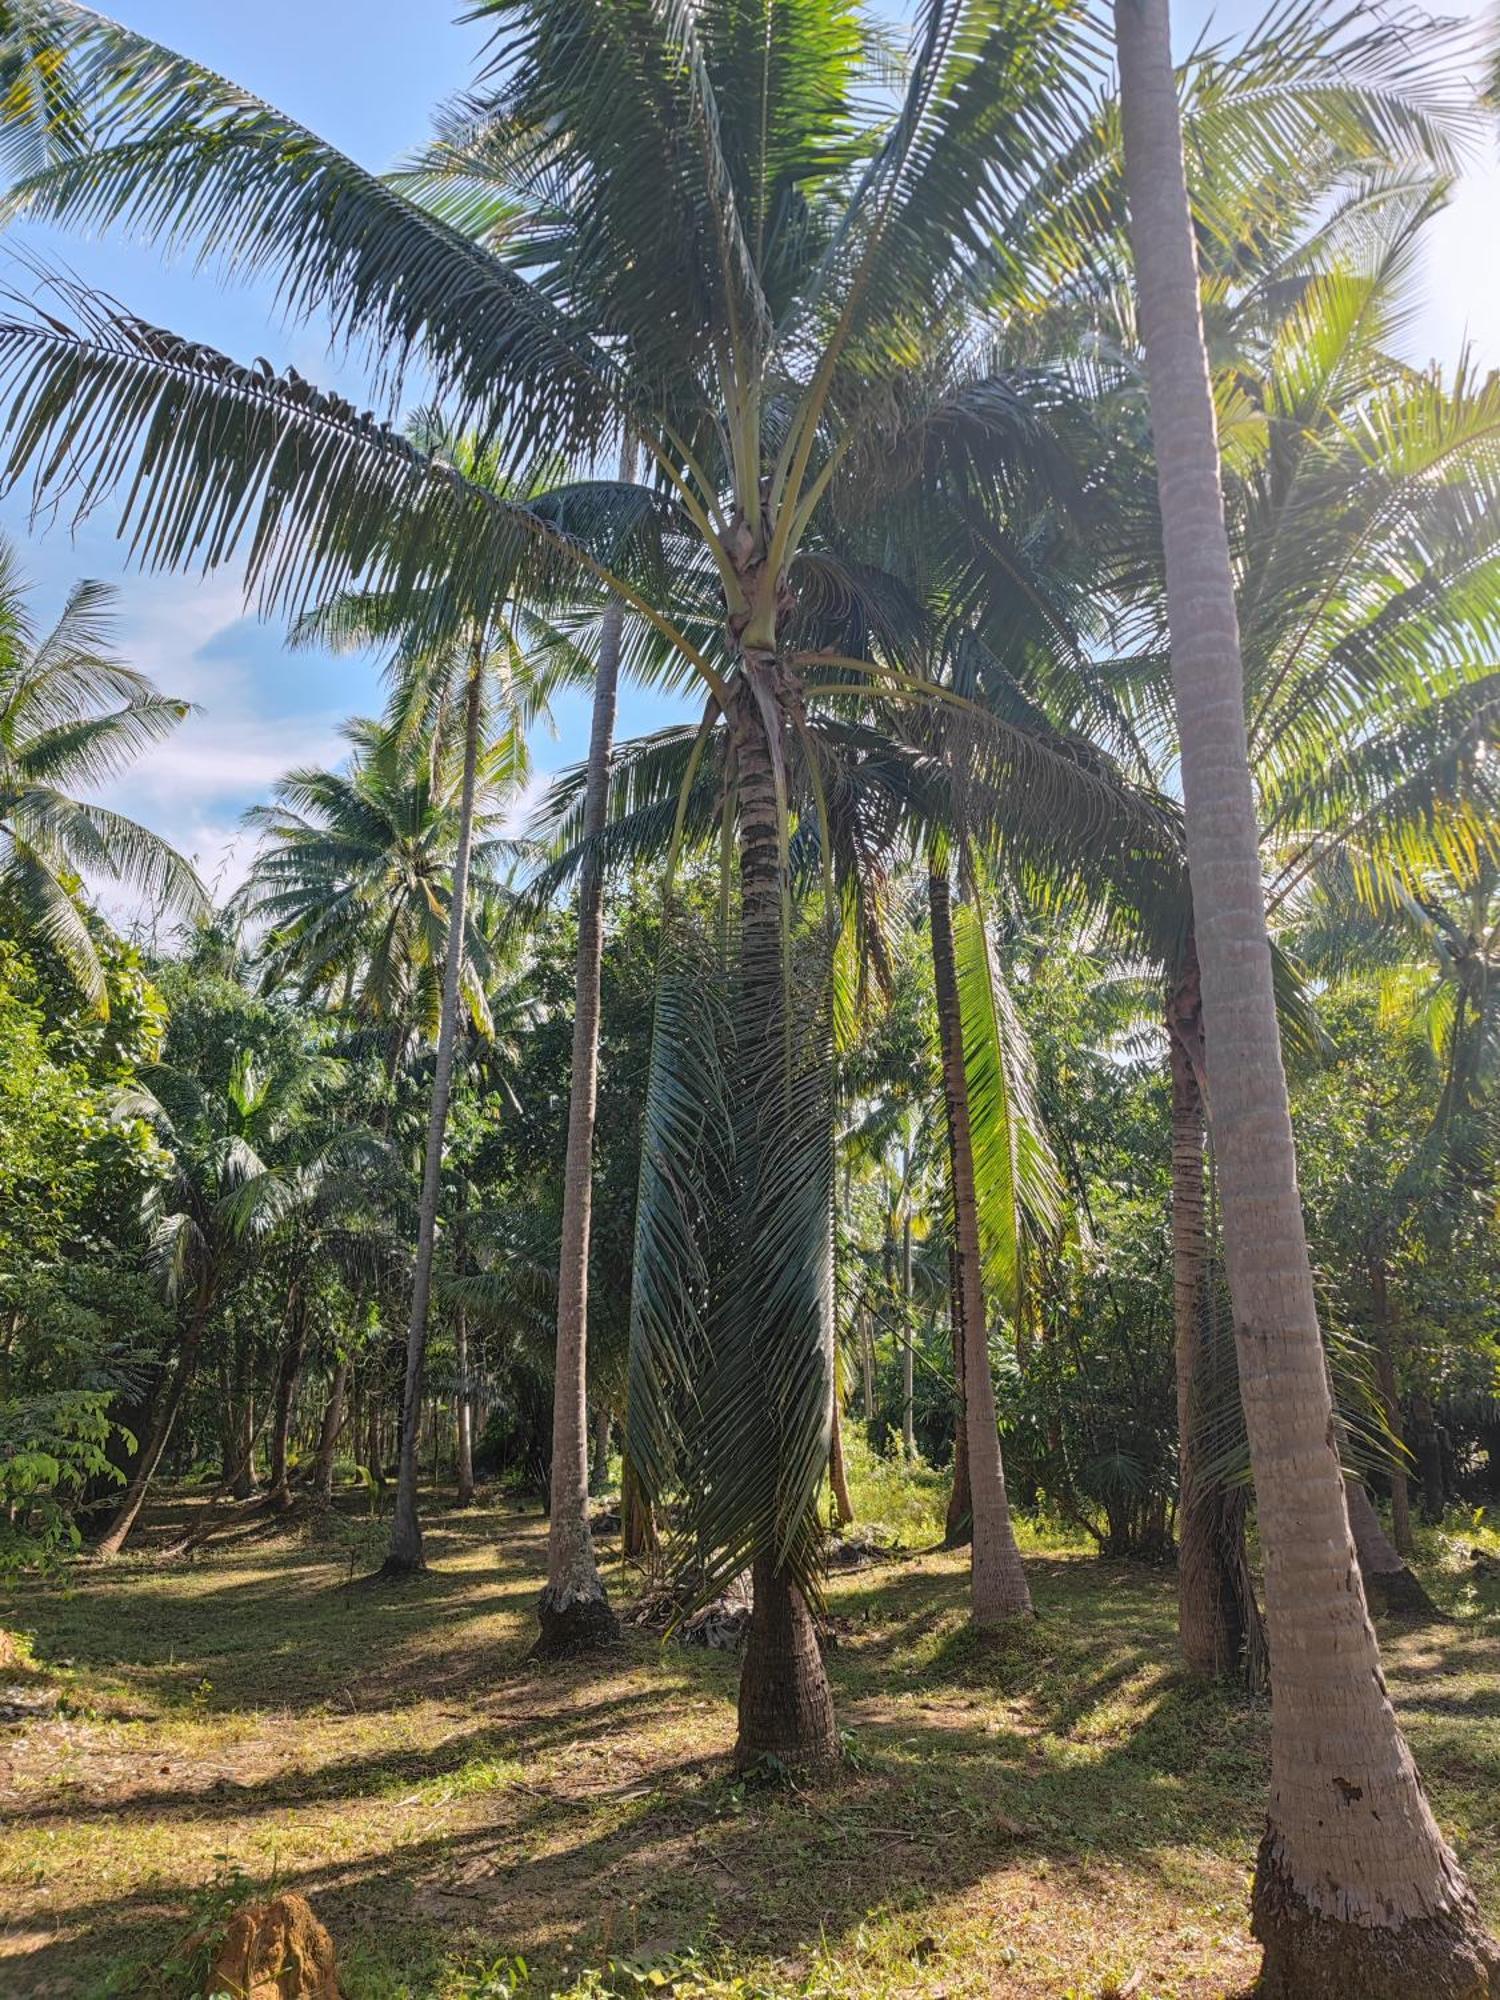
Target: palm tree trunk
[1219,1628]
[638,1538]
[128,1513]
[328,1435]
[838,1477]
[573,1613]
[1390,1396]
[405,1552]
[465,1469]
[1356,1891]
[958,1523]
[998,1587]
[786,1704]
[279,1493]
[908,1347]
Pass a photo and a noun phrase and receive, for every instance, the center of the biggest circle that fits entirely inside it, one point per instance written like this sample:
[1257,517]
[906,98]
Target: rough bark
[1353,1876]
[1219,1626]
[328,1433]
[405,1552]
[574,1610]
[599,1473]
[164,1416]
[958,1523]
[786,1705]
[998,1585]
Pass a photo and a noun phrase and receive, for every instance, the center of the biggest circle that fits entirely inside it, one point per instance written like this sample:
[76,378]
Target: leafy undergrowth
[1054,1815]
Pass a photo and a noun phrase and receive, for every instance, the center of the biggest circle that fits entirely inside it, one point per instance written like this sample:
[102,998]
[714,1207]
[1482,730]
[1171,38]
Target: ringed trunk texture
[405,1552]
[1219,1625]
[998,1584]
[574,1614]
[1356,1891]
[128,1512]
[786,1704]
[328,1434]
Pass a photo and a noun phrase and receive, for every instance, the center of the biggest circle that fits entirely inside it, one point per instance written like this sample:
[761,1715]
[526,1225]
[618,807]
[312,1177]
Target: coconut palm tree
[1356,1890]
[749,297]
[220,1126]
[367,875]
[72,713]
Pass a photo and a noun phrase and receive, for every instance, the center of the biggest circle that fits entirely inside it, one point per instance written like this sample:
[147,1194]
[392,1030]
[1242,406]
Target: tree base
[786,1704]
[1401,1593]
[1309,1957]
[396,1569]
[581,1625]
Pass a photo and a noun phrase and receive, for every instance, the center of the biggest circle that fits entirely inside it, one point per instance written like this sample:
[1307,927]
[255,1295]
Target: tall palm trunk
[786,1705]
[574,1612]
[998,1587]
[838,1475]
[1356,1891]
[1390,1396]
[328,1434]
[164,1417]
[464,1473]
[1219,1628]
[958,1523]
[288,1374]
[405,1553]
[908,1346]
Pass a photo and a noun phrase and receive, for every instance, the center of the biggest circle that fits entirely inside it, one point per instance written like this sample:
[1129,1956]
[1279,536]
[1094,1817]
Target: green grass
[1050,1816]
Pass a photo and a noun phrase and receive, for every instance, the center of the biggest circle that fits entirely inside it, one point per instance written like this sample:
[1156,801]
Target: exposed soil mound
[276,1951]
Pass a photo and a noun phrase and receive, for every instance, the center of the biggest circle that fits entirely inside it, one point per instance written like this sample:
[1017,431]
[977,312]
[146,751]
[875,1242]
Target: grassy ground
[1058,1816]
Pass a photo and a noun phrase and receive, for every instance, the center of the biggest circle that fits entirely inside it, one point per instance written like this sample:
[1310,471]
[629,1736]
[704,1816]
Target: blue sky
[366,74]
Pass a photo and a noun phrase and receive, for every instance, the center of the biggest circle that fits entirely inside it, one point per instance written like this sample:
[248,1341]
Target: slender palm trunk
[328,1434]
[838,1477]
[1356,1891]
[1390,1395]
[288,1374]
[867,1366]
[405,1553]
[958,1523]
[638,1538]
[164,1417]
[1219,1626]
[998,1587]
[786,1704]
[908,1346]
[465,1414]
[574,1613]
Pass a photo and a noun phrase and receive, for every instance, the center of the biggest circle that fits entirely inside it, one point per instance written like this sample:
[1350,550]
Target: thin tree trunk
[838,1477]
[1390,1395]
[599,1471]
[279,1492]
[405,1553]
[1356,1891]
[867,1365]
[465,1475]
[998,1586]
[573,1613]
[1429,1452]
[164,1417]
[785,1704]
[908,1346]
[638,1538]
[1219,1626]
[328,1435]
